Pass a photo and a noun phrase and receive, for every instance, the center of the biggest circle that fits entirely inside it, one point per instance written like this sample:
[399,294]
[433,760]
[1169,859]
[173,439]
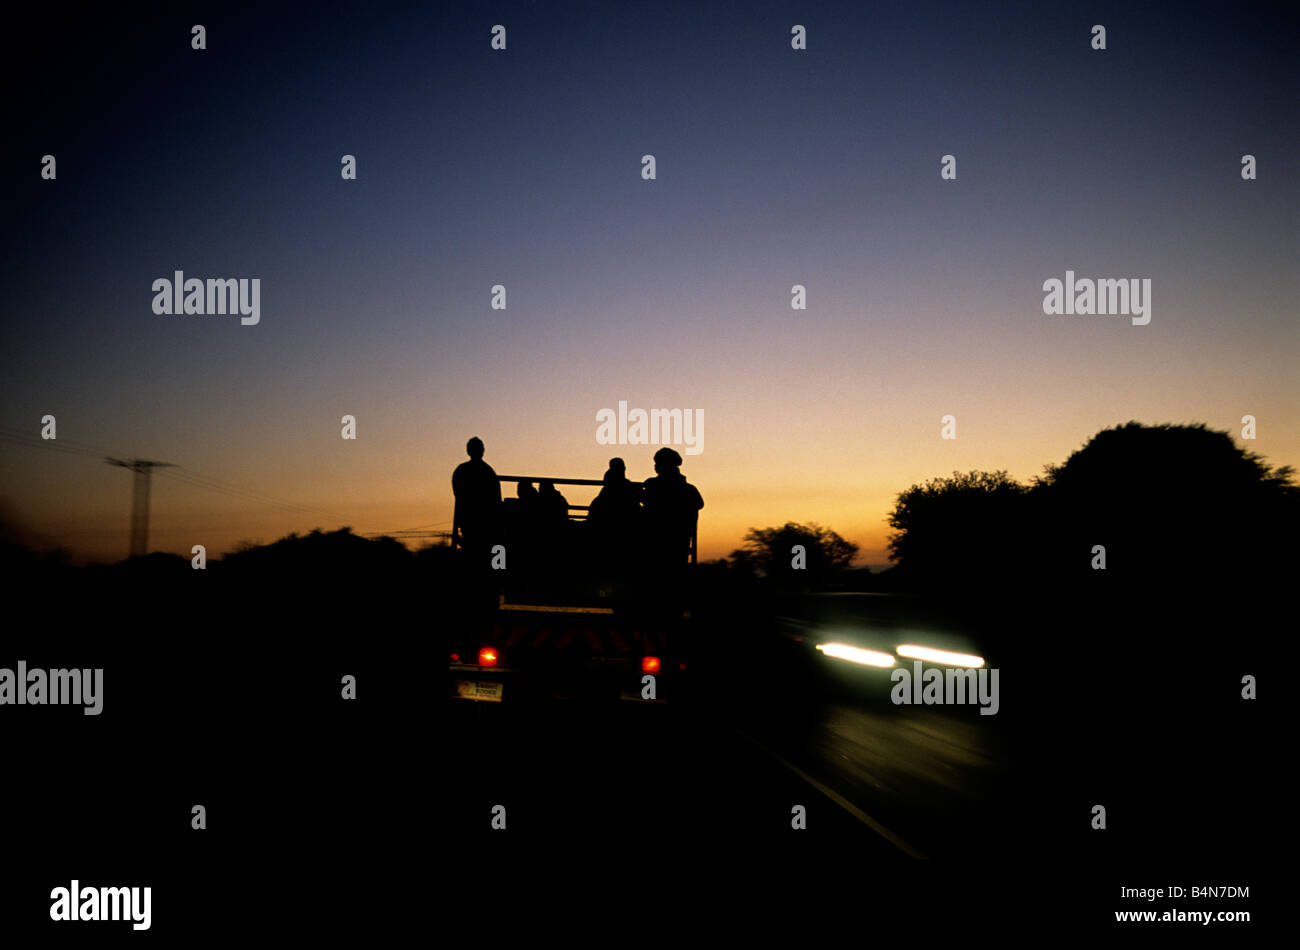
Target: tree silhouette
[1171,500]
[769,553]
[957,528]
[1166,502]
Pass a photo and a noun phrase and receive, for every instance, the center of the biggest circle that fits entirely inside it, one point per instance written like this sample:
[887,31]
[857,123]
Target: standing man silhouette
[478,505]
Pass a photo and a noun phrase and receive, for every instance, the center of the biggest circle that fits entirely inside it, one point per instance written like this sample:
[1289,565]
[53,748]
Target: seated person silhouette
[619,499]
[528,503]
[523,527]
[553,527]
[553,507]
[615,518]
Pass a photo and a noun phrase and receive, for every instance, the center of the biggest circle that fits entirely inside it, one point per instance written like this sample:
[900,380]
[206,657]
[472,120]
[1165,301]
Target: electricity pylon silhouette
[143,469]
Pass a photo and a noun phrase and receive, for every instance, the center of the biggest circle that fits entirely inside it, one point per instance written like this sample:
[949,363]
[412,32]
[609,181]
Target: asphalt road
[900,806]
[768,730]
[326,815]
[914,806]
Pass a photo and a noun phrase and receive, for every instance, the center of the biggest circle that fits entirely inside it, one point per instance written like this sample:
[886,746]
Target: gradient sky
[522,168]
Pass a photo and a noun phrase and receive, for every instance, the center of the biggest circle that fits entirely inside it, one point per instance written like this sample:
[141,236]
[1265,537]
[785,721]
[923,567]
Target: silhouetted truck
[575,611]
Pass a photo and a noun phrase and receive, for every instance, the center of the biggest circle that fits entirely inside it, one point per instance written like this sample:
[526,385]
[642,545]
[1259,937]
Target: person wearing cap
[672,506]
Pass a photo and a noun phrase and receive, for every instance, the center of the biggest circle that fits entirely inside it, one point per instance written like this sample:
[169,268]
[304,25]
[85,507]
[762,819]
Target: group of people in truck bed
[630,526]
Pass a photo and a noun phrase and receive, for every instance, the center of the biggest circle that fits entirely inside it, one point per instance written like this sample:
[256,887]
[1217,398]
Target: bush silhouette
[769,553]
[1173,504]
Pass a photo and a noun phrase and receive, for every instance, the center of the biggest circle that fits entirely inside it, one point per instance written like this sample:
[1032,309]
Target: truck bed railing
[576,512]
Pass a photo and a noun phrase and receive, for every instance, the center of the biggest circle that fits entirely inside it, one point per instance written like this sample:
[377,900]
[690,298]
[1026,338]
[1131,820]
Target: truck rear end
[572,618]
[538,654]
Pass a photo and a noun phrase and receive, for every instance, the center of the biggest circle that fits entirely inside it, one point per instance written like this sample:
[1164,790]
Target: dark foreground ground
[329,817]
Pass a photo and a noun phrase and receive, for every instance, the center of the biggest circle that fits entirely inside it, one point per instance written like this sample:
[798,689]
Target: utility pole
[143,469]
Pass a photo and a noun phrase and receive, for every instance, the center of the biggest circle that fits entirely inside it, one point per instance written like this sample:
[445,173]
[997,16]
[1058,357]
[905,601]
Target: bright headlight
[843,651]
[914,652]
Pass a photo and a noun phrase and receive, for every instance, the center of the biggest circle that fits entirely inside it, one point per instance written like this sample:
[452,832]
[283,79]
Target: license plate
[474,689]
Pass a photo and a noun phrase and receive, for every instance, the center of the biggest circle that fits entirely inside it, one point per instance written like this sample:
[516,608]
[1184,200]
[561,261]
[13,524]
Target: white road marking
[844,803]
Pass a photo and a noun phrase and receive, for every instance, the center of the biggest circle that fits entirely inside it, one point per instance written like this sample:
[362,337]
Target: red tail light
[455,658]
[487,656]
[650,664]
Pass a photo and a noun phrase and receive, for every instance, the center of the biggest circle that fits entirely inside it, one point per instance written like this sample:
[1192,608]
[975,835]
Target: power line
[426,527]
[246,494]
[62,444]
[50,445]
[186,476]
